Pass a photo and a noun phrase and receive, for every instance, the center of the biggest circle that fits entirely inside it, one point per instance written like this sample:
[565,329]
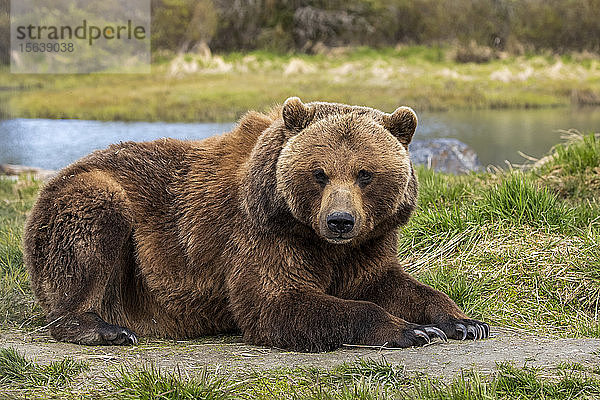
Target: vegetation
[308,26]
[363,379]
[150,383]
[17,306]
[222,88]
[18,373]
[516,237]
[574,170]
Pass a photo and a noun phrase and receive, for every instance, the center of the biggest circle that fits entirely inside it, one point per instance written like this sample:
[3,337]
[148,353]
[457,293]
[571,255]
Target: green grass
[511,382]
[151,383]
[514,238]
[580,156]
[17,306]
[380,371]
[517,201]
[366,379]
[225,87]
[574,168]
[18,372]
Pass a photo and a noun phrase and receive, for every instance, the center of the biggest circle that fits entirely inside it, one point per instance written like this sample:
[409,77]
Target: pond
[495,135]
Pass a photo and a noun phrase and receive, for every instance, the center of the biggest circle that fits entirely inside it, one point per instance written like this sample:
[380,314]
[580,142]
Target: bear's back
[157,174]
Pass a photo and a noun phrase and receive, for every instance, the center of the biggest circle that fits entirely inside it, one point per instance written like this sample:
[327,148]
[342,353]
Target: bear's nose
[340,222]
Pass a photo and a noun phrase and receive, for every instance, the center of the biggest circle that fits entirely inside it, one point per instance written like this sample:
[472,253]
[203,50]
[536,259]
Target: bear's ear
[402,124]
[296,115]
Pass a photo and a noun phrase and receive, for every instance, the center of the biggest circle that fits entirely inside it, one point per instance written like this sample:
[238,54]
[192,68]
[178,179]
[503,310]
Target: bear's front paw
[462,329]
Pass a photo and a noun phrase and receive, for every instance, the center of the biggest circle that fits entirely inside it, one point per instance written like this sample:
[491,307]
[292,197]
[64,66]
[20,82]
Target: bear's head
[344,171]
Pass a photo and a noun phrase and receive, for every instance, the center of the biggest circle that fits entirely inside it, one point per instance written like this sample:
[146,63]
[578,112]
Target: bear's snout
[340,222]
[340,218]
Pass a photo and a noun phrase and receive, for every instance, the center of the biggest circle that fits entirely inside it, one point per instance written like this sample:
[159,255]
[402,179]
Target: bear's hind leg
[76,249]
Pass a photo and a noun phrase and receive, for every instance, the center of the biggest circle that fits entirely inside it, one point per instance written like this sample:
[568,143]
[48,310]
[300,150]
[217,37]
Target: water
[499,135]
[53,144]
[496,135]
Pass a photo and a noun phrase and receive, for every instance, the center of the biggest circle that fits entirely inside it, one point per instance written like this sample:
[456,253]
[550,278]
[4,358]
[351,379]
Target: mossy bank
[223,87]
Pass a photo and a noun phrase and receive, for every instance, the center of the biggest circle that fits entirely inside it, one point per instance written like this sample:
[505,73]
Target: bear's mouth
[339,239]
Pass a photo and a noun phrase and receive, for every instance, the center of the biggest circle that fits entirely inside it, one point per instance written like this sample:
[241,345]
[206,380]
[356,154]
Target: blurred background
[501,76]
[516,26]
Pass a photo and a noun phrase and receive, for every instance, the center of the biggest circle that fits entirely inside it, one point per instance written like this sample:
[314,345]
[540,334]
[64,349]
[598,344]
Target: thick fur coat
[284,229]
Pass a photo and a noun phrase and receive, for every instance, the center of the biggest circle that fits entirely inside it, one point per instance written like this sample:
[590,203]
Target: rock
[444,155]
[16,170]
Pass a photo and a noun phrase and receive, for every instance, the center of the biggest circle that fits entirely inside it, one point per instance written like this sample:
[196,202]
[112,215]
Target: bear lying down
[284,229]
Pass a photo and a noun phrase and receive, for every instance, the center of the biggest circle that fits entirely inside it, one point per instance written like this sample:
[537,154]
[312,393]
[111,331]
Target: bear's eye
[320,176]
[364,178]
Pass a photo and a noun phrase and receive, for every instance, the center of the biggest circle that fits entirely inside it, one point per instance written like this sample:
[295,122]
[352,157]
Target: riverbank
[223,87]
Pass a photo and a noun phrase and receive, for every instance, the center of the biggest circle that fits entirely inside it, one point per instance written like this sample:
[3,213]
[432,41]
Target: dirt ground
[230,355]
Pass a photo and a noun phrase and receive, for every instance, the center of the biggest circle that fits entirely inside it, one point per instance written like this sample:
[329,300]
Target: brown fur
[234,233]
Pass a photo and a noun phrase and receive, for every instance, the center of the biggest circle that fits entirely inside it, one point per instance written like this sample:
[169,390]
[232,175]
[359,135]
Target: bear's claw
[453,329]
[134,340]
[422,334]
[429,333]
[475,330]
[432,330]
[126,337]
[463,329]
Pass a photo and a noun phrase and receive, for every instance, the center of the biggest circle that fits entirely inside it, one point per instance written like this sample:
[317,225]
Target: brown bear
[284,229]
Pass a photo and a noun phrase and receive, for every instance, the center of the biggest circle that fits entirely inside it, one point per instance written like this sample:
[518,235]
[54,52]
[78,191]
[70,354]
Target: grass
[366,379]
[517,201]
[574,169]
[579,157]
[21,375]
[514,238]
[511,382]
[17,306]
[151,383]
[223,88]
